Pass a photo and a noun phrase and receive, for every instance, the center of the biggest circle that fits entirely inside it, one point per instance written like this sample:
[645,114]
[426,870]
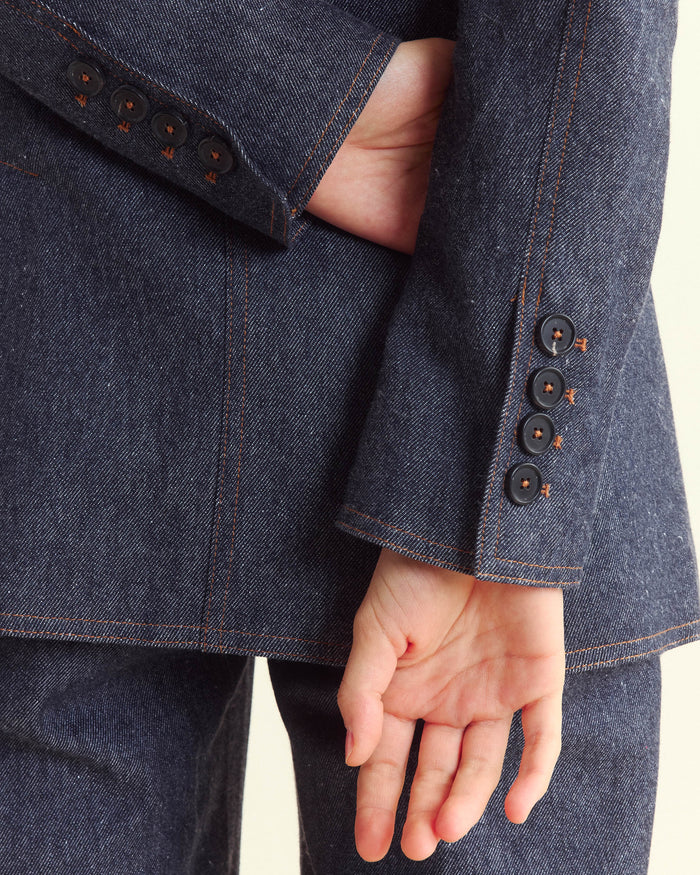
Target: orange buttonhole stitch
[81,98]
[545,490]
[124,126]
[556,443]
[581,343]
[211,177]
[168,152]
[570,395]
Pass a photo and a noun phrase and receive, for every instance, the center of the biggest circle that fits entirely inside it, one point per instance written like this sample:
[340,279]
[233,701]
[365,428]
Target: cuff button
[169,129]
[546,388]
[214,154]
[129,104]
[85,78]
[555,334]
[536,433]
[523,483]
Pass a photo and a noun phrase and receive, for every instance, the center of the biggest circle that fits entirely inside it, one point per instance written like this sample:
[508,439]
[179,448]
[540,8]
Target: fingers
[368,672]
[541,723]
[483,748]
[379,784]
[438,759]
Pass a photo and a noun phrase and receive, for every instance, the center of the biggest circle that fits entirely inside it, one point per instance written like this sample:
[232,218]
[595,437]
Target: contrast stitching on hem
[171,626]
[292,638]
[325,130]
[535,565]
[634,640]
[240,443]
[151,641]
[299,230]
[544,262]
[340,136]
[15,167]
[405,531]
[443,562]
[449,546]
[527,269]
[636,655]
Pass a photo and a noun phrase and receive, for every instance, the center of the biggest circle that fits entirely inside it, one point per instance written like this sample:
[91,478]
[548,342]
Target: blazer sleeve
[263,93]
[483,446]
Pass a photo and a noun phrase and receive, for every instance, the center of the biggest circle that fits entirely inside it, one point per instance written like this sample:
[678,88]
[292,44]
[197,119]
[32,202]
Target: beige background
[270,837]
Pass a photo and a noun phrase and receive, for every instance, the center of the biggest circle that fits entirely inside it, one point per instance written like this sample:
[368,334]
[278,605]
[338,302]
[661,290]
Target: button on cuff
[555,334]
[523,483]
[86,78]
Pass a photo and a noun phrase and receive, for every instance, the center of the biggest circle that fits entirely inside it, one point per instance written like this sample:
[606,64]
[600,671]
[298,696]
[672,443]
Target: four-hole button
[536,433]
[555,334]
[169,129]
[215,154]
[523,483]
[546,388]
[85,78]
[129,103]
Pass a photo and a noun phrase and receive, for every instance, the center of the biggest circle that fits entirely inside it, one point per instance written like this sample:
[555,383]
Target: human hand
[464,655]
[376,185]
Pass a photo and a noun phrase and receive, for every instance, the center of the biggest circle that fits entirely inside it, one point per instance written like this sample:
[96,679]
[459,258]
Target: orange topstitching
[323,134]
[405,531]
[464,568]
[240,447]
[340,136]
[219,498]
[544,262]
[527,263]
[15,167]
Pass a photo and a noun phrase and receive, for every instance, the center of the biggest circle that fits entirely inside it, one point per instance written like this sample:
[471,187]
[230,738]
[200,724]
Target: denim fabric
[216,408]
[596,817]
[121,760]
[128,760]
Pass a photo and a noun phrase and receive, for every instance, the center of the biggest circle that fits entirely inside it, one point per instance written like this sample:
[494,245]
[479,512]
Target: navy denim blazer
[217,408]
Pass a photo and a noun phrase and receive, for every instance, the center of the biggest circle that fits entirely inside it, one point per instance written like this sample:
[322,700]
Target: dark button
[129,104]
[555,334]
[536,433]
[546,388]
[215,154]
[523,483]
[85,78]
[169,129]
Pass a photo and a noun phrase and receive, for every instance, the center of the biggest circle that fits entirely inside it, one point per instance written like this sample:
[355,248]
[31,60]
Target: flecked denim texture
[216,408]
[595,819]
[130,761]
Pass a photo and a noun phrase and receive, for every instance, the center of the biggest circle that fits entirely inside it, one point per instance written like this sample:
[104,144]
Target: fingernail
[349,744]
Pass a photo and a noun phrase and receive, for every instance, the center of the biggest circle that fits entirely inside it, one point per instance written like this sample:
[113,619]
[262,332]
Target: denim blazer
[216,408]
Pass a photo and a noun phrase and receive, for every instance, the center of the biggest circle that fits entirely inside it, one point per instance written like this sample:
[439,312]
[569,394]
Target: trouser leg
[120,759]
[596,817]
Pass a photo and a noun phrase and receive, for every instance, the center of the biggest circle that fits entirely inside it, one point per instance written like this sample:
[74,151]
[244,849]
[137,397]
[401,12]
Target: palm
[463,655]
[376,185]
[490,650]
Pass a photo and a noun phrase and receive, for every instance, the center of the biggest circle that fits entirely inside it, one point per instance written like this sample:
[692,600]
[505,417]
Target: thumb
[369,670]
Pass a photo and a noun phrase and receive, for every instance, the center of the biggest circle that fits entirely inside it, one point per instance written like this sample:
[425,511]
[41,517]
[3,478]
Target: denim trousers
[120,759]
